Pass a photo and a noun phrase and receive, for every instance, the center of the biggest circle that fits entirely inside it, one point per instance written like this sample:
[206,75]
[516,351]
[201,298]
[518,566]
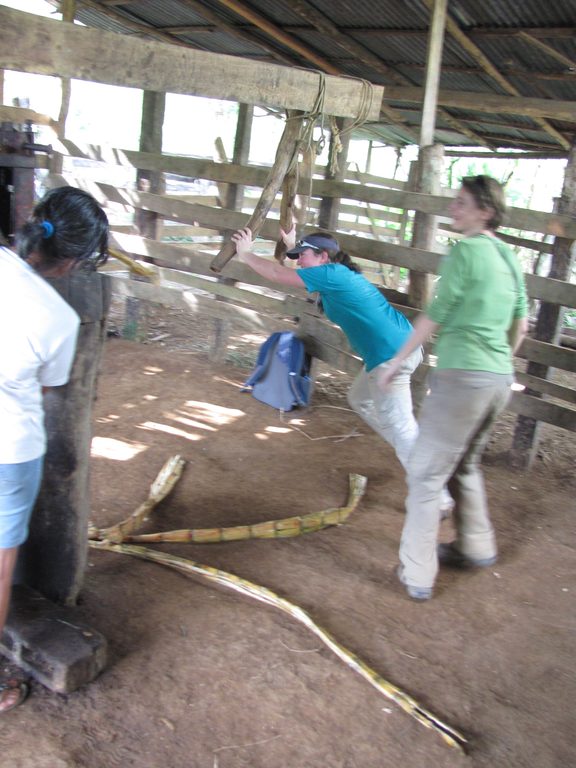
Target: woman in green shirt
[479,315]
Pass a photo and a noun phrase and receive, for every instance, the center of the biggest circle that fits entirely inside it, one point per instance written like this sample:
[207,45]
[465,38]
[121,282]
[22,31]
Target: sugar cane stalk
[271,529]
[451,736]
[160,488]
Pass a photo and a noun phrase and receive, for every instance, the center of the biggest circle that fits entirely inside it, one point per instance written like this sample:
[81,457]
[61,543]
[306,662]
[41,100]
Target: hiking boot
[416,593]
[452,557]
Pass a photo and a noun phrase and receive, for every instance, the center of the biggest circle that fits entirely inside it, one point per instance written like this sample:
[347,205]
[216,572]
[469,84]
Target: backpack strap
[262,361]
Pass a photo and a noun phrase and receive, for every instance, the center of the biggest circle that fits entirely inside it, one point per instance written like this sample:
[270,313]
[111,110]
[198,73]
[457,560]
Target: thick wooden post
[53,560]
[549,321]
[285,154]
[335,171]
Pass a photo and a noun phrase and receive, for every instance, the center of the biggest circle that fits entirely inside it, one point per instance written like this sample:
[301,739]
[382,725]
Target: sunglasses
[305,244]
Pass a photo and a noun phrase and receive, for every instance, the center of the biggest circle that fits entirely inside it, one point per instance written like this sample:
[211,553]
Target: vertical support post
[429,171]
[53,560]
[153,107]
[330,206]
[148,223]
[68,10]
[241,154]
[429,159]
[549,321]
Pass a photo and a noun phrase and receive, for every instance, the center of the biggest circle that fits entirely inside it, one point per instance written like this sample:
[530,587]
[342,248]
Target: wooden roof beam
[472,49]
[540,32]
[524,74]
[490,103]
[553,154]
[48,47]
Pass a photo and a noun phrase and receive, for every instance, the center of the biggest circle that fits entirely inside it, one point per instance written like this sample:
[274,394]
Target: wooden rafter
[191,29]
[279,35]
[472,49]
[549,50]
[135,26]
[240,34]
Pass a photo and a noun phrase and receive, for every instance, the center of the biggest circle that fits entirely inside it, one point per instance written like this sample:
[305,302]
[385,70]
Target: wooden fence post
[335,171]
[549,321]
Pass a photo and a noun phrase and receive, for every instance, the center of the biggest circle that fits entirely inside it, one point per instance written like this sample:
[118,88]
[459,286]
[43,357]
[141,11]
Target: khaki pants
[390,412]
[455,423]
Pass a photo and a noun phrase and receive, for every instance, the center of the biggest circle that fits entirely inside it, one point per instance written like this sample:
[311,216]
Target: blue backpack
[281,375]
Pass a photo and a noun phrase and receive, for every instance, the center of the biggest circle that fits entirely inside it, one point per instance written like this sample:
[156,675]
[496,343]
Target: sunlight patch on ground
[209,413]
[107,419]
[151,370]
[278,430]
[117,450]
[153,426]
[189,422]
[260,436]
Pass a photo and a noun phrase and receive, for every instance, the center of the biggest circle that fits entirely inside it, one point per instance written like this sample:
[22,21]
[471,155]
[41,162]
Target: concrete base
[50,643]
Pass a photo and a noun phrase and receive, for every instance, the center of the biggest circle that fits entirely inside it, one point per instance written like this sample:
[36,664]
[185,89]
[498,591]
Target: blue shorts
[19,486]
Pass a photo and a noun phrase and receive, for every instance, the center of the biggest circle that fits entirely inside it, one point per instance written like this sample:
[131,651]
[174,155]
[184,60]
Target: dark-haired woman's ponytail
[343,258]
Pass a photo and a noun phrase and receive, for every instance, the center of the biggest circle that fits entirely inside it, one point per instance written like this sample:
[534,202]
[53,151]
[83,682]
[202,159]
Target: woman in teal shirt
[375,330]
[479,314]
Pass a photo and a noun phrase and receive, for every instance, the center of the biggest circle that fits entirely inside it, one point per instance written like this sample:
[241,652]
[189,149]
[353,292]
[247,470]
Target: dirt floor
[200,677]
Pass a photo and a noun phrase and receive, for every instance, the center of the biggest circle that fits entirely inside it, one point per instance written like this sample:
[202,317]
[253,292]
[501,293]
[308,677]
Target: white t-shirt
[37,343]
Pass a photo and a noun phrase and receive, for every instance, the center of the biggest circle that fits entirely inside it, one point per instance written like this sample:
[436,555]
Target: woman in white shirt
[37,344]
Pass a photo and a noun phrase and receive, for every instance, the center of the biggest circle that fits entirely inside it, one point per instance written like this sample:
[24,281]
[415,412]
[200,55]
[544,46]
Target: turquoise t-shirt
[375,330]
[480,292]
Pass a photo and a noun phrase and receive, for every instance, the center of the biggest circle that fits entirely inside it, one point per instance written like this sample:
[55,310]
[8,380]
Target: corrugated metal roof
[393,31]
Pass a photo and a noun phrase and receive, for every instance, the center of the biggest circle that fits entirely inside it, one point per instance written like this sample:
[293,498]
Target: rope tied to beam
[315,117]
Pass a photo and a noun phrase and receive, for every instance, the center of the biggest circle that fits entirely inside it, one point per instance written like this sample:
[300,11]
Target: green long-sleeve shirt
[480,293]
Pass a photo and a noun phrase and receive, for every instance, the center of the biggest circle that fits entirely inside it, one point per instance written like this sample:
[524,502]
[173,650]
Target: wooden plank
[546,387]
[548,354]
[47,47]
[541,410]
[550,290]
[191,302]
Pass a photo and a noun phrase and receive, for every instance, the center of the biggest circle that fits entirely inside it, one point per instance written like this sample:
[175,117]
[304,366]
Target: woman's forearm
[272,270]
[517,332]
[424,327]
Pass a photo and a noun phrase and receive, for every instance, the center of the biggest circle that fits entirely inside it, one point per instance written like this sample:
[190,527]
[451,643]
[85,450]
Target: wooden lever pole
[286,148]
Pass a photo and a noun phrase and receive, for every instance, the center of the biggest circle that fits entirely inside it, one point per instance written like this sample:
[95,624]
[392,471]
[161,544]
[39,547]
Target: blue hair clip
[48,228]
